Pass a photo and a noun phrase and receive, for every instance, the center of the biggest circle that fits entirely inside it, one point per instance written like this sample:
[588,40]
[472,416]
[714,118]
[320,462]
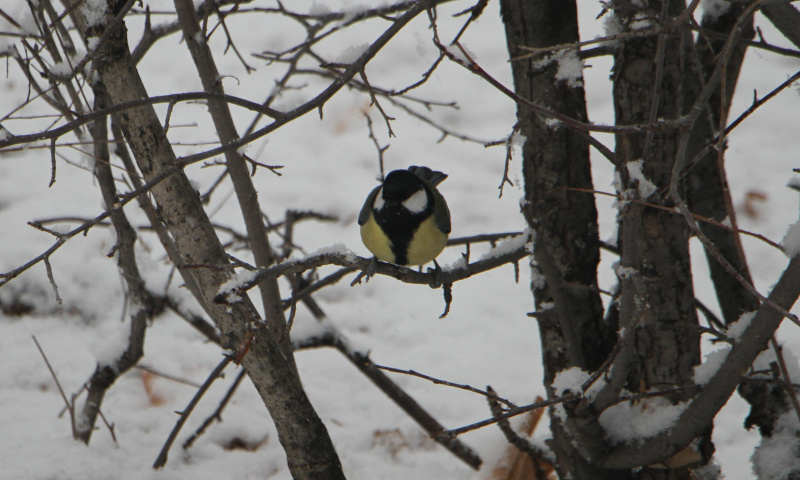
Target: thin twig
[52,279]
[292,308]
[109,426]
[168,376]
[161,460]
[381,150]
[785,374]
[217,415]
[509,414]
[699,218]
[536,454]
[490,395]
[374,101]
[70,406]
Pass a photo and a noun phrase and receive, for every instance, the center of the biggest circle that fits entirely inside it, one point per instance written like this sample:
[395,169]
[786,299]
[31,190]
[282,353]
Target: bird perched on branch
[406,220]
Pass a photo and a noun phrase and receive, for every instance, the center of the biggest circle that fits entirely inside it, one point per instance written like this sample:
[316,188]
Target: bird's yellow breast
[426,244]
[376,241]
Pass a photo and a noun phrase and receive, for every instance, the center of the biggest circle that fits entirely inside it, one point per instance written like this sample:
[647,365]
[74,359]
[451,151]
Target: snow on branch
[231,291]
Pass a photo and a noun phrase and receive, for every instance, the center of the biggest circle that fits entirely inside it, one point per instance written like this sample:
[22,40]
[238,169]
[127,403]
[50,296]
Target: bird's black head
[403,194]
[400,185]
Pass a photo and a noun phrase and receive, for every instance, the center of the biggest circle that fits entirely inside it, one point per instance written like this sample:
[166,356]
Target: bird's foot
[370,272]
[372,269]
[436,281]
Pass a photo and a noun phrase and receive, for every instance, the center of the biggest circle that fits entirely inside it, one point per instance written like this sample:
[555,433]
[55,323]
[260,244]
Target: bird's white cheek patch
[379,202]
[416,203]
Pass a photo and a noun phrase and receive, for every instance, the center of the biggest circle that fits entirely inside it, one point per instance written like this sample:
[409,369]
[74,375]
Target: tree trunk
[707,187]
[656,295]
[566,247]
[308,447]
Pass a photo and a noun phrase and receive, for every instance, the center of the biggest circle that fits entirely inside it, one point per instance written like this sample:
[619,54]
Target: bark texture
[237,168]
[308,447]
[656,291]
[138,297]
[566,251]
[707,187]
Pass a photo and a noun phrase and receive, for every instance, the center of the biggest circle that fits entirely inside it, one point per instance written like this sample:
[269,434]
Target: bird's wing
[367,208]
[442,215]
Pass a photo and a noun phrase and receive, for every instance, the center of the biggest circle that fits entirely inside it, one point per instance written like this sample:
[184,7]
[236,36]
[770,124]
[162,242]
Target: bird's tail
[431,176]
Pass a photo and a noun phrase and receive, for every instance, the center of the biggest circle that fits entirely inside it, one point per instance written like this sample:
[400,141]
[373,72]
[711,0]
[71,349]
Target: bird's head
[403,189]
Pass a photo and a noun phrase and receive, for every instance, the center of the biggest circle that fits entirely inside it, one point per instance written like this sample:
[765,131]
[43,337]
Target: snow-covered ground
[330,165]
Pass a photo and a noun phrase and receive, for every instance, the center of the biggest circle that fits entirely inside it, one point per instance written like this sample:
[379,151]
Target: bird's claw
[436,282]
[372,269]
[368,273]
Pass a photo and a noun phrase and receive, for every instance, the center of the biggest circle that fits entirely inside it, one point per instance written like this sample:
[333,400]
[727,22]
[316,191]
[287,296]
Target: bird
[405,220]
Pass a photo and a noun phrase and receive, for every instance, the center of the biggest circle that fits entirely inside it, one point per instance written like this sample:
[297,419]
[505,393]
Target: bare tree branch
[233,290]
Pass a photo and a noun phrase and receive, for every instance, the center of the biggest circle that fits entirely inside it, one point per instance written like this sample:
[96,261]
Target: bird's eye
[416,203]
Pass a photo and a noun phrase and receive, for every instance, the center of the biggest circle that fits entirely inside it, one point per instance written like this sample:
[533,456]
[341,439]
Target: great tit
[406,220]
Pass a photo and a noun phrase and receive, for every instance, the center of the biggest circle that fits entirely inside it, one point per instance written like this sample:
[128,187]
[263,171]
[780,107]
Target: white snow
[644,187]
[351,10]
[765,359]
[306,329]
[61,68]
[460,262]
[94,11]
[109,347]
[625,272]
[236,281]
[778,455]
[336,249]
[640,21]
[712,362]
[552,123]
[463,54]
[511,244]
[715,8]
[569,380]
[611,28]
[331,165]
[352,53]
[570,68]
[737,328]
[547,306]
[538,280]
[61,228]
[24,18]
[635,422]
[791,240]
